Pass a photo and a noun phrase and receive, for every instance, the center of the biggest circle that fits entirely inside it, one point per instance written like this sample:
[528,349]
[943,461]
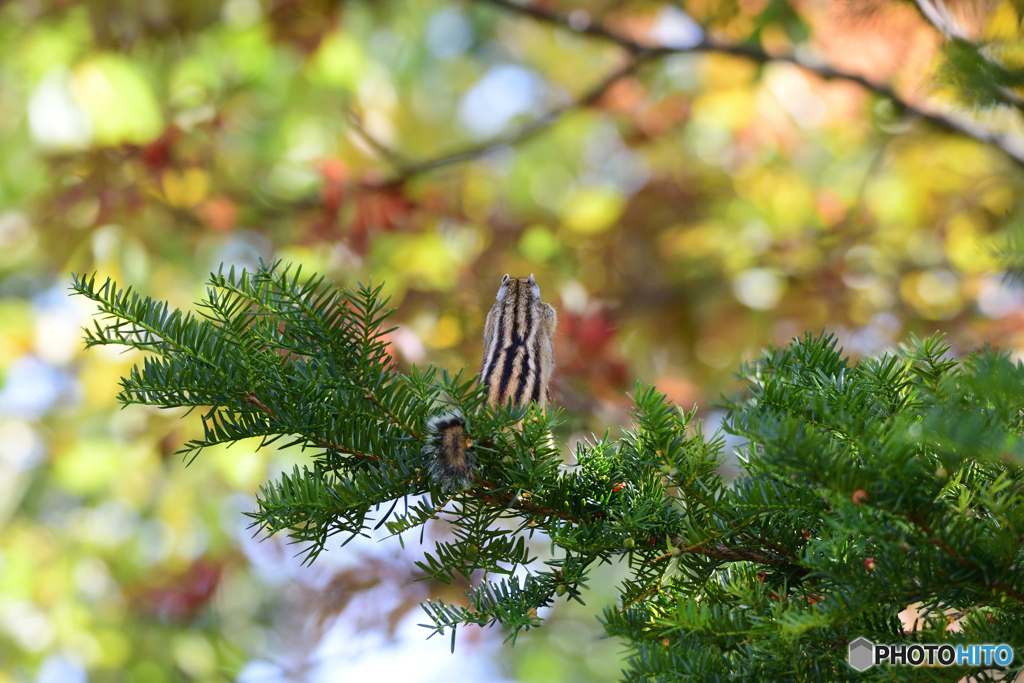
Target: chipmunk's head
[518,288]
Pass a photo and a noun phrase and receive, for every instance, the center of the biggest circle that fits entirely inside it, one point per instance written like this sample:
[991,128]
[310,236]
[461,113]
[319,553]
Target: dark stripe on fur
[510,351]
[524,374]
[499,336]
[507,371]
[523,353]
[535,395]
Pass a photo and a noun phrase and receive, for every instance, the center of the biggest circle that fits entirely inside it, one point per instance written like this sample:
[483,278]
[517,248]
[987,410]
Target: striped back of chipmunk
[518,356]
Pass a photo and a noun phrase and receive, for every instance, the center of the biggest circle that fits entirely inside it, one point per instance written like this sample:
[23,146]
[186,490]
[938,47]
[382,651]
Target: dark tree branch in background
[407,171]
[641,53]
[394,157]
[963,124]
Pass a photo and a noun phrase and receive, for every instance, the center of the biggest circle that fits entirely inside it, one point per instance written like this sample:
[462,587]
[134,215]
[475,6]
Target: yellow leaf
[90,465]
[538,243]
[934,293]
[119,100]
[593,210]
[186,189]
[446,333]
[339,61]
[965,248]
[1003,23]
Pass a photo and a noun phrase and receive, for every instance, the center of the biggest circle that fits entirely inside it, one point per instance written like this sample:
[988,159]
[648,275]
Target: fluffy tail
[449,450]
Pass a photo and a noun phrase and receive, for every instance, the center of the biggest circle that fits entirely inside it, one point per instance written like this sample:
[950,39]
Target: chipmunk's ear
[531,280]
[504,279]
[501,289]
[533,287]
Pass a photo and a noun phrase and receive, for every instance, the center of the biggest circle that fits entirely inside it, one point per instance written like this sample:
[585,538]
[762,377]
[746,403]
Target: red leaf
[180,598]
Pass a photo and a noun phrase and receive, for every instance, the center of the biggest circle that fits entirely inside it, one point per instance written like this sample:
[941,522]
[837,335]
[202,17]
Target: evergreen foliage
[866,487]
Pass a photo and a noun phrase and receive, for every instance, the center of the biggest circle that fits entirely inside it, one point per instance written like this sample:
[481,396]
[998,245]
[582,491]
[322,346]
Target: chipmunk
[516,368]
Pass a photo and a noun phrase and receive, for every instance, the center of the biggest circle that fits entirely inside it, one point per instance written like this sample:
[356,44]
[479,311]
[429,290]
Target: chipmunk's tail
[449,450]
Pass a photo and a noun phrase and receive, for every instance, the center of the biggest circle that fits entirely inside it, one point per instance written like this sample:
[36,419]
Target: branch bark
[407,171]
[964,124]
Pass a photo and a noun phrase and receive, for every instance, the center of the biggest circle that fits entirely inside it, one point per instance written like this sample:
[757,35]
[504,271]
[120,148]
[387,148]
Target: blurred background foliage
[682,207]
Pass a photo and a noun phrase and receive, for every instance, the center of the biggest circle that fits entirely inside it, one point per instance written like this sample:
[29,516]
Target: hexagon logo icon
[862,654]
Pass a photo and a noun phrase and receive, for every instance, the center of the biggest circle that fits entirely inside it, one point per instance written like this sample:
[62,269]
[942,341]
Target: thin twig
[934,539]
[323,443]
[366,136]
[392,418]
[529,130]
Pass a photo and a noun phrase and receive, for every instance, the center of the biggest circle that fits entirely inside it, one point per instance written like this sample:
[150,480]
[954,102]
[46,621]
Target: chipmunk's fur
[518,357]
[449,450]
[516,369]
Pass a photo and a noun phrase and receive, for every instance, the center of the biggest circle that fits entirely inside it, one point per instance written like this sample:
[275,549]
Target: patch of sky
[56,119]
[998,298]
[503,93]
[31,388]
[449,33]
[61,669]
[675,29]
[243,250]
[611,162]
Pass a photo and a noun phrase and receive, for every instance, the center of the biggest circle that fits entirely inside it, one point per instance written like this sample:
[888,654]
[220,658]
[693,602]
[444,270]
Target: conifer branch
[323,443]
[852,502]
[962,561]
